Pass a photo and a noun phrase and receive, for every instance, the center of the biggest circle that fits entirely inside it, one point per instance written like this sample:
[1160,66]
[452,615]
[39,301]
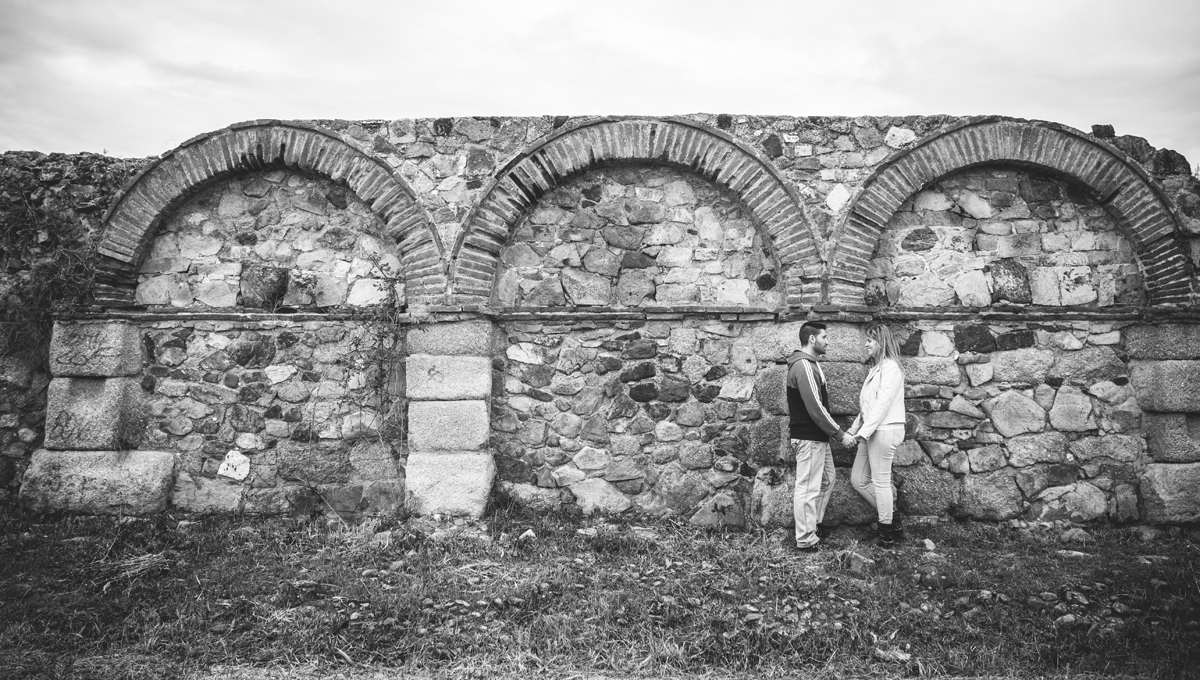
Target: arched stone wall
[1148,217]
[681,144]
[134,218]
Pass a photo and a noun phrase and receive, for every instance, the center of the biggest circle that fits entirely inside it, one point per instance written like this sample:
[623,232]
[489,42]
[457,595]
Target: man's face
[819,341]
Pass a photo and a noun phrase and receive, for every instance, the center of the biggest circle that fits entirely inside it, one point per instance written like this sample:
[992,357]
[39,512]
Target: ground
[522,594]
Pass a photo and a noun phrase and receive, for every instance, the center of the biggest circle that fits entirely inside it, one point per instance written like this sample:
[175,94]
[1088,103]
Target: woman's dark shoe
[891,533]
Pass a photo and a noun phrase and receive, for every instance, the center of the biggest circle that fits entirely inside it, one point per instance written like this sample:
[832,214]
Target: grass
[103,598]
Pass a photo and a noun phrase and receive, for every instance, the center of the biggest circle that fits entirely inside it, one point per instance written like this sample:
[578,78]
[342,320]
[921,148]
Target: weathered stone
[531,497]
[193,493]
[950,421]
[931,371]
[442,378]
[94,414]
[1072,411]
[1123,448]
[768,441]
[634,286]
[462,338]
[105,350]
[1013,413]
[596,495]
[991,496]
[771,497]
[449,483]
[584,289]
[978,374]
[722,510]
[909,452]
[1018,339]
[1124,504]
[1163,341]
[360,424]
[1078,502]
[1168,386]
[98,482]
[448,425]
[1088,365]
[682,490]
[974,338]
[986,458]
[845,380]
[927,490]
[546,293]
[373,460]
[1047,447]
[770,388]
[1171,492]
[1173,437]
[1010,282]
[1023,366]
[263,286]
[846,506]
[1031,481]
[591,458]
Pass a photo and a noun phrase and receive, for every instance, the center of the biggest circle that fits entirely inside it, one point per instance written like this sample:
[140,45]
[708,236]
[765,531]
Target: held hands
[848,440]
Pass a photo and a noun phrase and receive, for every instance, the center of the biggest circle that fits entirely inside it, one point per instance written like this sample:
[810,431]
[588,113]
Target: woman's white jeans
[871,475]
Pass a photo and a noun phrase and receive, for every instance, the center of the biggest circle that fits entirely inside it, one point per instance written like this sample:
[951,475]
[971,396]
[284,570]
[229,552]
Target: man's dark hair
[810,329]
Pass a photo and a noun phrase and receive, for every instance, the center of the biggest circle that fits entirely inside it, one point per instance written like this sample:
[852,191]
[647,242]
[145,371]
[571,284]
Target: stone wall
[338,316]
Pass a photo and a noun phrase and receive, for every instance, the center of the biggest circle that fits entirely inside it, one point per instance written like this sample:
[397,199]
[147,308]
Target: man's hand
[849,440]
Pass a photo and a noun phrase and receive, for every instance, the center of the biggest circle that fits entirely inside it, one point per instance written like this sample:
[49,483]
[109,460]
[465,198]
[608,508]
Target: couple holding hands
[877,432]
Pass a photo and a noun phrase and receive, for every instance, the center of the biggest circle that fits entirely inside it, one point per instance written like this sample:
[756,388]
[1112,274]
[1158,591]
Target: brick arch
[682,144]
[1150,220]
[134,219]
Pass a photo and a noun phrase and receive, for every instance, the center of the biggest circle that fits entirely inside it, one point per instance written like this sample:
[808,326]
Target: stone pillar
[94,416]
[449,373]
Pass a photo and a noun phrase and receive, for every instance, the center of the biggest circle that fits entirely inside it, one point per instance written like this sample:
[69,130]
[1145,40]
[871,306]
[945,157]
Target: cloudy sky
[137,77]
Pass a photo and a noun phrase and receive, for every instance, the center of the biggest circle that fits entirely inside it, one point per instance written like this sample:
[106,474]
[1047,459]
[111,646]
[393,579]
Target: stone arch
[1120,184]
[134,219]
[675,143]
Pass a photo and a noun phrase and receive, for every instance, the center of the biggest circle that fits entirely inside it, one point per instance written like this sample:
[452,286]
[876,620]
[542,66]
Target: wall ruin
[353,317]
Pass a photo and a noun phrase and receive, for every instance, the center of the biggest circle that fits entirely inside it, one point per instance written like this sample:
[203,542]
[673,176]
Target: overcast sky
[138,77]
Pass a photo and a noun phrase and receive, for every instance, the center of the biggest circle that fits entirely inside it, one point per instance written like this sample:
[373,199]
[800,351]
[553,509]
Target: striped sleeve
[811,393]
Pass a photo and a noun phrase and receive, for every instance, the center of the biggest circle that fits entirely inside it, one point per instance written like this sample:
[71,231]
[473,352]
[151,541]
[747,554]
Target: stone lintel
[454,483]
[98,482]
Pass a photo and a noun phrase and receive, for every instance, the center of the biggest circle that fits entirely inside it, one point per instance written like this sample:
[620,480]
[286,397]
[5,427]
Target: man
[809,430]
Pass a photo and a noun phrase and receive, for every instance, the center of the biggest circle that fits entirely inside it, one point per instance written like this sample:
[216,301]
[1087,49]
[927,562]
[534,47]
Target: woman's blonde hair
[889,348]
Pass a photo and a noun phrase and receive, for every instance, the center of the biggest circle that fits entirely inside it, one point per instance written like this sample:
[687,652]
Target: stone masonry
[355,317]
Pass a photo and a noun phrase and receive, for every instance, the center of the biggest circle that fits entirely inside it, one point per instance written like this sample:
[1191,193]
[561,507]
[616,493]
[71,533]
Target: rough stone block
[95,350]
[1078,502]
[927,490]
[929,371]
[445,378]
[1088,365]
[449,483]
[770,388]
[845,382]
[1173,437]
[1171,492]
[595,495]
[1027,366]
[1166,341]
[1013,413]
[1171,386]
[98,482]
[462,338]
[94,414]
[206,495]
[846,506]
[448,425]
[991,496]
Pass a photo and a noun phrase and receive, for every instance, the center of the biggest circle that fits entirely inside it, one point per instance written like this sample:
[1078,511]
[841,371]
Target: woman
[879,429]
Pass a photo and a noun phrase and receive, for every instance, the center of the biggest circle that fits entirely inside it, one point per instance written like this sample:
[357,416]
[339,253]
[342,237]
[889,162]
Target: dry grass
[98,598]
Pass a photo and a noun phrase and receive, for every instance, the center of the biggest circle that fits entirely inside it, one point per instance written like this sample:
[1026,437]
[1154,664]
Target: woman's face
[872,347]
